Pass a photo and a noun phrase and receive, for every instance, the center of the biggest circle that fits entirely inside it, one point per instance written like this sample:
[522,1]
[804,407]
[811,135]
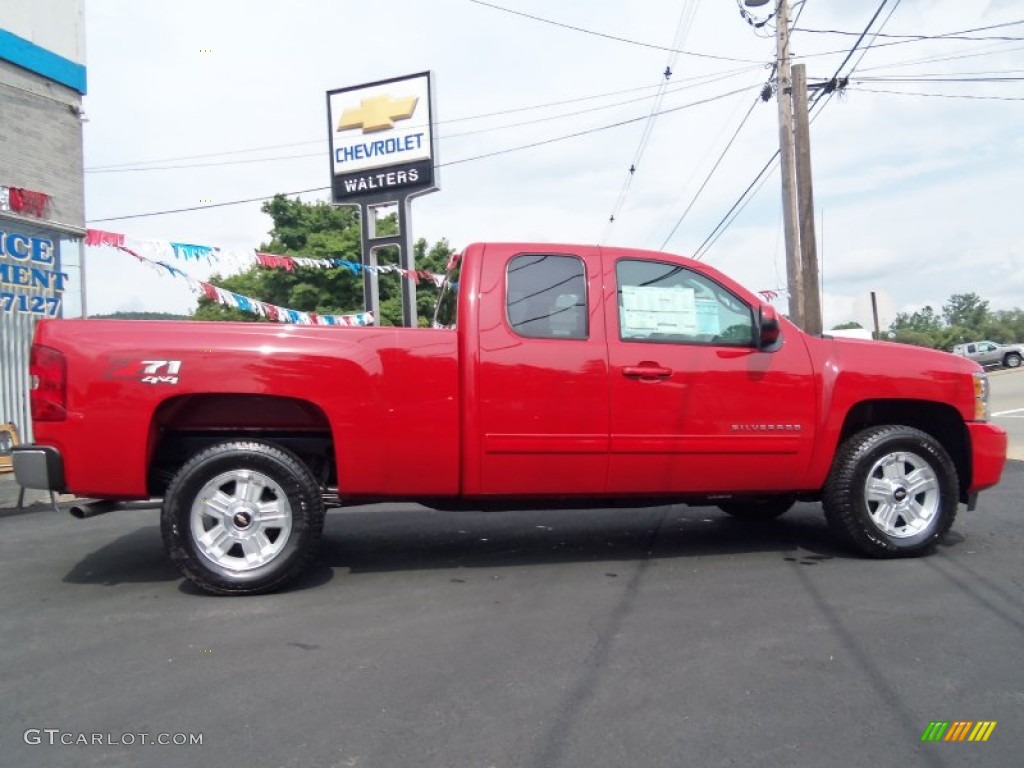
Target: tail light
[48,375]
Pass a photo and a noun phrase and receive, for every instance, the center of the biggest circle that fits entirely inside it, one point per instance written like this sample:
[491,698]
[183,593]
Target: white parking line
[1007,413]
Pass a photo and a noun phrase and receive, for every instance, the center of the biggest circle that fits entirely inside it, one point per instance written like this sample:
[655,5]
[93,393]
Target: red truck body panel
[486,412]
[385,392]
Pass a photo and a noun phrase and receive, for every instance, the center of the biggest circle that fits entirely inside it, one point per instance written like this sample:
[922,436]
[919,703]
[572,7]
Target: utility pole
[790,222]
[797,193]
[812,322]
[874,314]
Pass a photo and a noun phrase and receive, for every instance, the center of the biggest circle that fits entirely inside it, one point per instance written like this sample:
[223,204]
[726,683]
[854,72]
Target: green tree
[923,328]
[924,321]
[1005,326]
[320,230]
[967,310]
[847,326]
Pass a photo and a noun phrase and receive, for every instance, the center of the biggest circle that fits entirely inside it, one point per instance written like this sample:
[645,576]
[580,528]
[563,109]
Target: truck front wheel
[242,518]
[1012,360]
[892,492]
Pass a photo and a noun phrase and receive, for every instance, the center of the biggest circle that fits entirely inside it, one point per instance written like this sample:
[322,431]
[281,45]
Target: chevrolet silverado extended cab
[989,353]
[576,375]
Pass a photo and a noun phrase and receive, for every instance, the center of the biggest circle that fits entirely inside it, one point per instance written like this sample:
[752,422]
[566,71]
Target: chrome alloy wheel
[902,494]
[241,520]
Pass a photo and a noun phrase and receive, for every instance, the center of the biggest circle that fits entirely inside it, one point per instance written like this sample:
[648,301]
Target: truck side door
[695,405]
[540,403]
[988,353]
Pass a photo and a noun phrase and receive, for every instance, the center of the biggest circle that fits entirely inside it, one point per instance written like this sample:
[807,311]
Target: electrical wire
[983,50]
[485,155]
[507,126]
[741,202]
[941,79]
[612,37]
[682,30]
[942,36]
[711,173]
[705,80]
[941,95]
[722,225]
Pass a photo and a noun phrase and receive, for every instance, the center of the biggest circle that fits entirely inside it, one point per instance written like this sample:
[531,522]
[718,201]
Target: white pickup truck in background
[990,353]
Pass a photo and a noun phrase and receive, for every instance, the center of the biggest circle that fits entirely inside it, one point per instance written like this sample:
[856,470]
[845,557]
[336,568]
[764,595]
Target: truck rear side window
[666,302]
[546,296]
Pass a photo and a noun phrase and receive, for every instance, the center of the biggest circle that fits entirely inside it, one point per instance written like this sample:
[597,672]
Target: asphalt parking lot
[669,636]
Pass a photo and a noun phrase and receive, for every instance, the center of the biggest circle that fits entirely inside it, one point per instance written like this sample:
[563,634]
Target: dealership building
[42,195]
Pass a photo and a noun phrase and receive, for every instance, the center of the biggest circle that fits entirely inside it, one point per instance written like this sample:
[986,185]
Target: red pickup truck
[576,375]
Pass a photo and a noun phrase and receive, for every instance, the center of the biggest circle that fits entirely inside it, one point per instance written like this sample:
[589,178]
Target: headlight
[981,412]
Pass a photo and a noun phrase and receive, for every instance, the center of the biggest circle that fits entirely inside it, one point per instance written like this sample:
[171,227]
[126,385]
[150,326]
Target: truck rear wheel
[892,492]
[242,518]
[762,508]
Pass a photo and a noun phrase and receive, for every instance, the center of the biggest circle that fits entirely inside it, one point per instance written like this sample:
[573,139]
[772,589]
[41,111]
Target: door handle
[646,372]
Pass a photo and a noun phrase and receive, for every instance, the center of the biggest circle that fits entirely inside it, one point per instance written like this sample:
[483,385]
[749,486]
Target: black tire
[858,517]
[1012,360]
[762,508]
[278,493]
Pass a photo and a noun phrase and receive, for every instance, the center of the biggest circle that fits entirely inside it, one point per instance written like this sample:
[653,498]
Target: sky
[917,196]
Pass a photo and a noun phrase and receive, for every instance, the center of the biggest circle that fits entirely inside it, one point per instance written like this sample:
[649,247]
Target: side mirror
[768,329]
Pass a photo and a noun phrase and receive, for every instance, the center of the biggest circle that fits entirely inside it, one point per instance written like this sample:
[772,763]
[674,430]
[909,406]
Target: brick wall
[41,141]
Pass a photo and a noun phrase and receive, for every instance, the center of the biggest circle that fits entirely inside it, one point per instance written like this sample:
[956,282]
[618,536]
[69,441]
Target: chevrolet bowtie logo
[378,113]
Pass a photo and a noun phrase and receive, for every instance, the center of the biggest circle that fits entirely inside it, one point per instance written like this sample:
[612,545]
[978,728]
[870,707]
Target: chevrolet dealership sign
[381,137]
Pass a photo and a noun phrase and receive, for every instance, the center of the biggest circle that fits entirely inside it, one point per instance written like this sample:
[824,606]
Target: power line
[941,79]
[711,173]
[796,20]
[722,223]
[204,207]
[743,199]
[941,95]
[708,80]
[705,80]
[594,130]
[682,30]
[960,35]
[863,34]
[485,155]
[983,50]
[612,37]
[919,39]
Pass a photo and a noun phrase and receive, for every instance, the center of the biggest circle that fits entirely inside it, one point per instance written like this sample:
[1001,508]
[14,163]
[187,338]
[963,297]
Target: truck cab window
[665,302]
[546,296]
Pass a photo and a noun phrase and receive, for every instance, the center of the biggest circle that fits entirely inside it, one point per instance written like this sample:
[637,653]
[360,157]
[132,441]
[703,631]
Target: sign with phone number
[48,306]
[27,263]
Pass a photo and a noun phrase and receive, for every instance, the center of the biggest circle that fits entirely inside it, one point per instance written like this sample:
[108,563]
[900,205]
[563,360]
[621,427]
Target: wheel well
[941,421]
[183,426]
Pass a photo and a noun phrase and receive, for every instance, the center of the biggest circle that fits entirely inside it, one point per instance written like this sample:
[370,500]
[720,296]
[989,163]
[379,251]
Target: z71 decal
[146,371]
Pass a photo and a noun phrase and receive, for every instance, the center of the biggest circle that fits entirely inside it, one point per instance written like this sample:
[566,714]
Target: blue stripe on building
[20,51]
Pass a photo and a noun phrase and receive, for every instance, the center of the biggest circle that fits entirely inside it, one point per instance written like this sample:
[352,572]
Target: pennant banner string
[159,250]
[231,299]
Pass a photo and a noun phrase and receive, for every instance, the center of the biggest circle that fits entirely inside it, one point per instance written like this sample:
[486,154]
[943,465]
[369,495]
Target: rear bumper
[38,466]
[988,454]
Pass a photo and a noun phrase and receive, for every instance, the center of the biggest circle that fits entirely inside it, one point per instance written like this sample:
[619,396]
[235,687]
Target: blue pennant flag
[188,251]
